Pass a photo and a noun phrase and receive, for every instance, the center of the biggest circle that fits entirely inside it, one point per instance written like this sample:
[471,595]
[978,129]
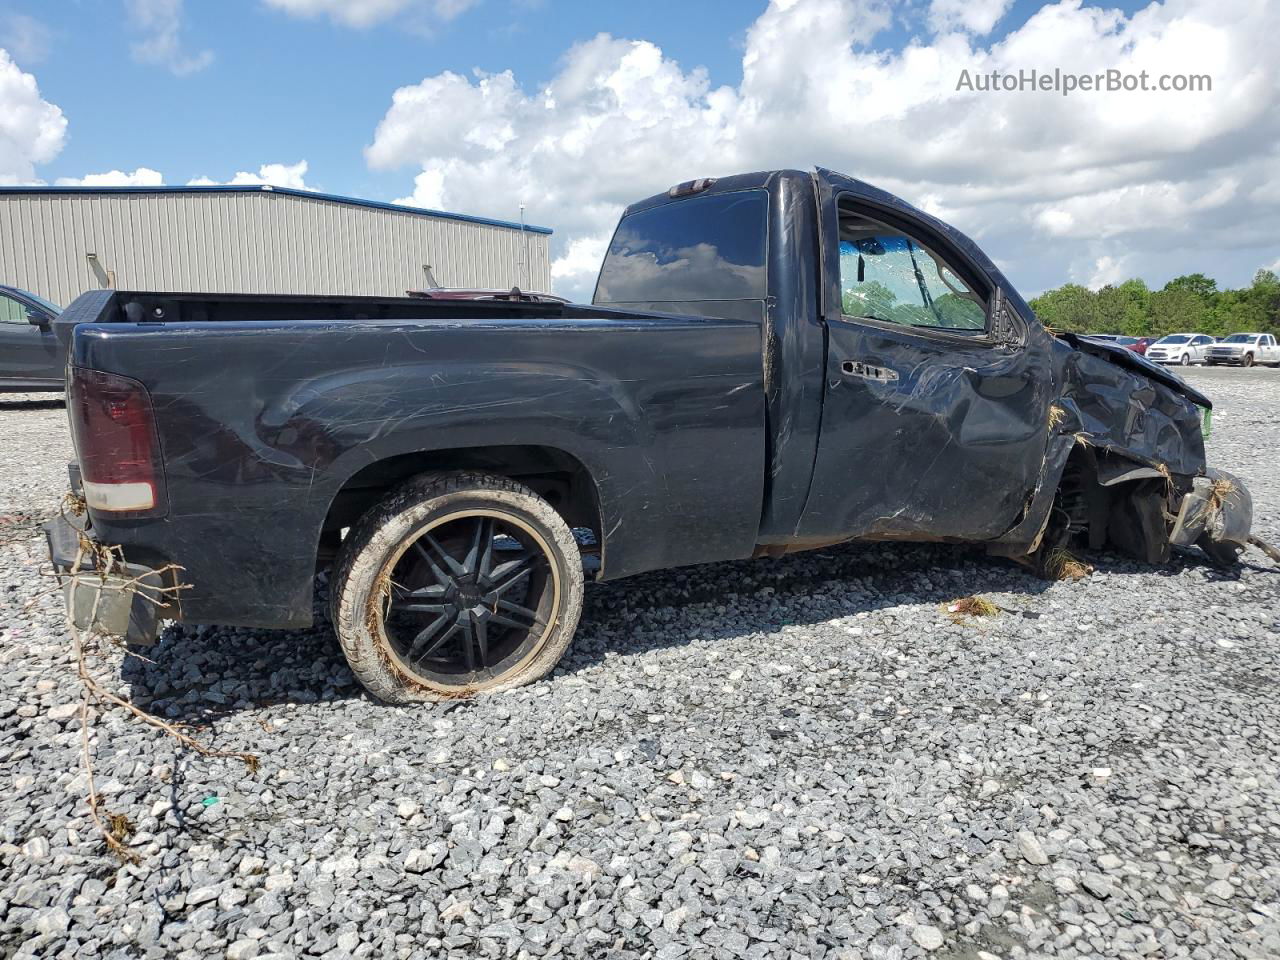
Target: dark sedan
[30,358]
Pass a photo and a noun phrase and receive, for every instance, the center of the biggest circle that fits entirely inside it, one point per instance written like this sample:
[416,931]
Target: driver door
[937,394]
[29,354]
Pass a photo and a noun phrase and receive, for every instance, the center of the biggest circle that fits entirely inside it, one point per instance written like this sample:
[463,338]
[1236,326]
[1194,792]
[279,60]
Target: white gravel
[795,758]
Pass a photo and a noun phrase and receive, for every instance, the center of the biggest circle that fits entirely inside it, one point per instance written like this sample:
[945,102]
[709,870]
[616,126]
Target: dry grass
[1223,490]
[1063,565]
[974,606]
[1084,439]
[116,828]
[1056,415]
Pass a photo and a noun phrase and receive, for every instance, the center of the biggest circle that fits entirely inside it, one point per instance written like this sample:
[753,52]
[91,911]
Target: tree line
[1187,304]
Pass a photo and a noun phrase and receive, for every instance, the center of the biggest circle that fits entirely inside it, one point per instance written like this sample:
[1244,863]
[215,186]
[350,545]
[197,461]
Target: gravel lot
[783,759]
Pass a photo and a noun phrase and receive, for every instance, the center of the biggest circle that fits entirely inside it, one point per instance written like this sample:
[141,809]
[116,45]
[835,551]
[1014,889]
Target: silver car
[1246,349]
[1181,348]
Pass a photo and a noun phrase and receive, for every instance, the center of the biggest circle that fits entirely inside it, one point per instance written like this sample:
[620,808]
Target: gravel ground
[781,759]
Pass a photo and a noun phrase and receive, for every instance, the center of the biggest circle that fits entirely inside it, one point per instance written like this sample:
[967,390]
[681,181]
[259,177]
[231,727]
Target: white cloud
[365,13]
[581,258]
[141,177]
[32,130]
[973,16]
[1050,184]
[291,175]
[1108,270]
[25,37]
[160,21]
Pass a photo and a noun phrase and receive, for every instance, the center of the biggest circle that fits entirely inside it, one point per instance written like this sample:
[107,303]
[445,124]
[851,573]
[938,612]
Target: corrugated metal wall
[251,242]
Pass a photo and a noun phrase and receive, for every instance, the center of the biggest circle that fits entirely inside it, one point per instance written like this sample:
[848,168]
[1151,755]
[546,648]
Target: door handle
[868,371]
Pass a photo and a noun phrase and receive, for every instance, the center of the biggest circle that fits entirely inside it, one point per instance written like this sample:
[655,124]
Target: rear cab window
[709,247]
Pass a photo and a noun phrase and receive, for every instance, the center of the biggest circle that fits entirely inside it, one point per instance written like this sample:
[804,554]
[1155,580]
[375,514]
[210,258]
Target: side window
[709,247]
[887,275]
[11,310]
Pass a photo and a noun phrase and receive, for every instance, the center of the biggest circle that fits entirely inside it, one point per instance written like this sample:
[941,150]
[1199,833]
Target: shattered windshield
[888,276]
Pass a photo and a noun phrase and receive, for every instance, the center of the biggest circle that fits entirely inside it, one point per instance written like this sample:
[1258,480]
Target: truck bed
[272,412]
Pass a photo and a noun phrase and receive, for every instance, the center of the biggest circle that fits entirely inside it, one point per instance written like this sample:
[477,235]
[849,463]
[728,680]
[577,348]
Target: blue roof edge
[287,191]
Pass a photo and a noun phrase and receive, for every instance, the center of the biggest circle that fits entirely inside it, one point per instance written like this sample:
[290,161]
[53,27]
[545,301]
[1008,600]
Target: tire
[1219,554]
[1185,360]
[1248,360]
[418,602]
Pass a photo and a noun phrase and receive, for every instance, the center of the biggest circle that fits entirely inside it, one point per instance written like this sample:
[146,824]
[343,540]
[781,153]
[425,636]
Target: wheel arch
[554,474]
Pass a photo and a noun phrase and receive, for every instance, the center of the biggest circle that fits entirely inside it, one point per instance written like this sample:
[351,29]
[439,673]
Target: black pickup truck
[772,362]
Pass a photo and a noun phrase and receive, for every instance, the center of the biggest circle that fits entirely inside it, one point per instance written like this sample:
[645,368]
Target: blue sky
[282,88]
[381,99]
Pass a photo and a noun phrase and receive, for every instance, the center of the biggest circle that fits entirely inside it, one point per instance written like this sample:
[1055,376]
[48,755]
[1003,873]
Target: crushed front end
[1125,467]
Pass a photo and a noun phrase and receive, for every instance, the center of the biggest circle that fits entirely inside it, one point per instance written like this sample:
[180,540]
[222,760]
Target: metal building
[61,241]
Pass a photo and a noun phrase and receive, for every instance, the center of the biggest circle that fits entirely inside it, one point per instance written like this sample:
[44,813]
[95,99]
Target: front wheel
[1185,360]
[456,584]
[1248,360]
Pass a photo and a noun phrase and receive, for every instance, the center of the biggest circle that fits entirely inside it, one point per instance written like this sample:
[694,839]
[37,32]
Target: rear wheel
[456,585]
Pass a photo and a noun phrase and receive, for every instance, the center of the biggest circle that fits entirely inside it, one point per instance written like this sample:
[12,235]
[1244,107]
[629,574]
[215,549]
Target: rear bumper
[120,599]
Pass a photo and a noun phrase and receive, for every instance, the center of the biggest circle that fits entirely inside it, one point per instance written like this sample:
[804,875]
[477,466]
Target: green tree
[1203,287]
[1124,309]
[1188,304]
[1177,310]
[1070,309]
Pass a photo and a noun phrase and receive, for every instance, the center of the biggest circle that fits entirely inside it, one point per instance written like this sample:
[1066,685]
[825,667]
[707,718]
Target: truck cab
[908,386]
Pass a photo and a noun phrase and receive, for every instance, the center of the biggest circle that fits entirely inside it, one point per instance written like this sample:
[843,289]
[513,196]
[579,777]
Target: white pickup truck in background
[1245,349]
[1181,348]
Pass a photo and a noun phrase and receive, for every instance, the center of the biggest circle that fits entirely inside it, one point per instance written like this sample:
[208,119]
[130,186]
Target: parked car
[1140,344]
[1136,344]
[1183,349]
[1245,349]
[31,358]
[772,362]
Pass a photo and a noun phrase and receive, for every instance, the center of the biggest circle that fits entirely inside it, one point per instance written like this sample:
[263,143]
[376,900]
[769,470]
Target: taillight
[115,436]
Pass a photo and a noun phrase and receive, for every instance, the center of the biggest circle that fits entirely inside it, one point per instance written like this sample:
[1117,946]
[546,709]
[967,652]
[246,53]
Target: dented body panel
[258,442]
[707,429]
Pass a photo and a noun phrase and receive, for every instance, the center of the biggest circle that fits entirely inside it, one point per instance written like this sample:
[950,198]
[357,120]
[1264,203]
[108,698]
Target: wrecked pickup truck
[772,362]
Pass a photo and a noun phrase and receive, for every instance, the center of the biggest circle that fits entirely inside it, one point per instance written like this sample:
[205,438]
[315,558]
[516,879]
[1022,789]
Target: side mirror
[38,319]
